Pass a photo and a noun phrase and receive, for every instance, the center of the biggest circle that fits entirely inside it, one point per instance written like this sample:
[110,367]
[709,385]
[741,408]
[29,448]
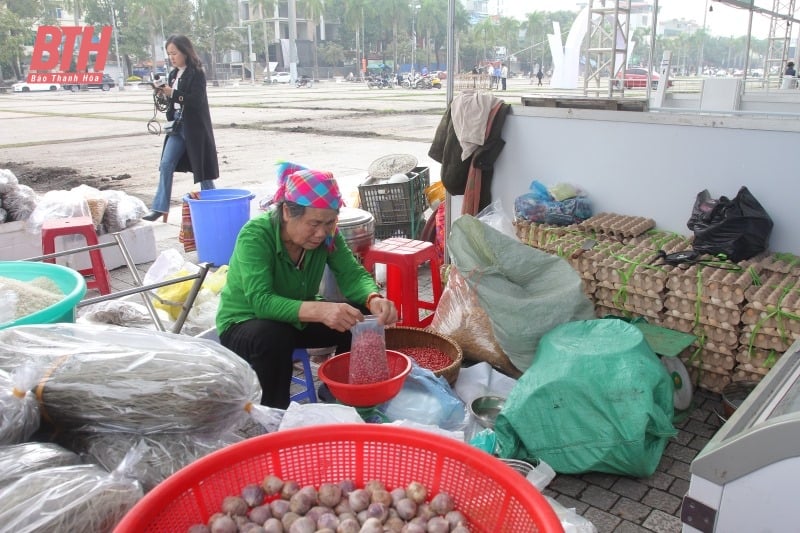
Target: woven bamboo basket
[398,337]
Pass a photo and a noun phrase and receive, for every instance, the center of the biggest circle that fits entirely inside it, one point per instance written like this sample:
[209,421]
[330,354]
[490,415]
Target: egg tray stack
[744,319]
[770,317]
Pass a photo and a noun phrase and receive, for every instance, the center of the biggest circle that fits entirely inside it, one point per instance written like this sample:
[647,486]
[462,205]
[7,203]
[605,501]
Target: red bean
[368,362]
[429,358]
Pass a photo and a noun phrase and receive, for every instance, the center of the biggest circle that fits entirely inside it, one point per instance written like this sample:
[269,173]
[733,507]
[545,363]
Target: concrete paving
[342,127]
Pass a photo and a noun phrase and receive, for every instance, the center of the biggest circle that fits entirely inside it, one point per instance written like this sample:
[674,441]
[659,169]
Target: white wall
[654,164]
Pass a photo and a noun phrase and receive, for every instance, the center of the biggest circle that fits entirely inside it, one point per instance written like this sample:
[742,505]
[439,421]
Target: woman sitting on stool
[270,303]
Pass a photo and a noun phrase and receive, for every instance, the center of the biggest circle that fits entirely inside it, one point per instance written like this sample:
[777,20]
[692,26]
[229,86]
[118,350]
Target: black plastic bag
[738,228]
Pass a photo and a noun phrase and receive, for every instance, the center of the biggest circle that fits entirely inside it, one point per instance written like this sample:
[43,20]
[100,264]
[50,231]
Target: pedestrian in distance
[189,145]
[790,71]
[539,76]
[504,75]
[270,304]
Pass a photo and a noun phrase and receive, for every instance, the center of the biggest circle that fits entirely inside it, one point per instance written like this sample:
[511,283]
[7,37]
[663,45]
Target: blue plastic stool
[300,355]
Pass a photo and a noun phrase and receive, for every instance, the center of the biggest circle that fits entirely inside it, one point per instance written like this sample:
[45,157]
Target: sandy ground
[55,141]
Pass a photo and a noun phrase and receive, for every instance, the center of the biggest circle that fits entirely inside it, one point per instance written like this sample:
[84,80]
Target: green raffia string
[754,276]
[697,301]
[778,314]
[771,359]
[792,259]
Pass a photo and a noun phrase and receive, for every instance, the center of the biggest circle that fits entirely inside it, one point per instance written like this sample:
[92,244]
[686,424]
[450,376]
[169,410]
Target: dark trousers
[504,83]
[268,345]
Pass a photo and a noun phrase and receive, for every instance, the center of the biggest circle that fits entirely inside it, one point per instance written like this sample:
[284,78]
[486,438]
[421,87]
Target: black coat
[446,150]
[200,157]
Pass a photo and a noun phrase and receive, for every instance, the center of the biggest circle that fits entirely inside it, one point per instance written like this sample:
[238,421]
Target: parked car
[25,87]
[105,85]
[636,78]
[278,77]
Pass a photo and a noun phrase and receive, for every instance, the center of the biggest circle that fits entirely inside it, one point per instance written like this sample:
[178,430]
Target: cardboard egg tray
[720,362]
[718,336]
[767,338]
[742,373]
[707,378]
[538,235]
[781,264]
[632,302]
[618,226]
[756,357]
[725,288]
[705,313]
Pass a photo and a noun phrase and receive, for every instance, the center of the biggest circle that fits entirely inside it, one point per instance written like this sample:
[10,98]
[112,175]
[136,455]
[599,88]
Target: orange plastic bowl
[335,374]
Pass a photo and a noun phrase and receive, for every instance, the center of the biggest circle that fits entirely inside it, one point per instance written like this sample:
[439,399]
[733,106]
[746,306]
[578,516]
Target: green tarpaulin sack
[595,399]
[524,291]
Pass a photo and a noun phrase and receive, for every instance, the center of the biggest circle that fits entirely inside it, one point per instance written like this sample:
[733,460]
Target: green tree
[485,32]
[212,28]
[313,10]
[266,9]
[15,35]
[535,35]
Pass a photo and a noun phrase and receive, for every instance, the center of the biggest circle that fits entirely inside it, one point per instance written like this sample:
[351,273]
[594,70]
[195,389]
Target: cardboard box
[16,243]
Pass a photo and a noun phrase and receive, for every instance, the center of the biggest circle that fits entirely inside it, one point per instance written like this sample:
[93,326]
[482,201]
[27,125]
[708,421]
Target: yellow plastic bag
[435,193]
[171,298]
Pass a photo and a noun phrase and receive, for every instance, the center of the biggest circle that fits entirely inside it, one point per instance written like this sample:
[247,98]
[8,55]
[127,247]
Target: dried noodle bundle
[19,411]
[18,460]
[106,378]
[67,498]
[20,202]
[166,453]
[8,181]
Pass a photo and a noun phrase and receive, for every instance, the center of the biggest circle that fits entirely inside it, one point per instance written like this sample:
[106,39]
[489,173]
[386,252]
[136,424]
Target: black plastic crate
[406,230]
[396,203]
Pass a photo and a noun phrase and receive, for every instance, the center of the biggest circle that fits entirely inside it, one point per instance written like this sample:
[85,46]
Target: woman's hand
[166,90]
[384,309]
[338,316]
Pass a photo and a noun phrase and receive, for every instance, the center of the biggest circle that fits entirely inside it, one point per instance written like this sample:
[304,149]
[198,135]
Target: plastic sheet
[106,378]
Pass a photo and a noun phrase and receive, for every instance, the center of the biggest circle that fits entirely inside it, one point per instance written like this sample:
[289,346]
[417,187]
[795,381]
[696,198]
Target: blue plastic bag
[427,399]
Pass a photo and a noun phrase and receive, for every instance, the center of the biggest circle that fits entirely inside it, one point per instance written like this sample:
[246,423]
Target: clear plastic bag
[368,363]
[106,378]
[18,460]
[56,204]
[71,498]
[19,410]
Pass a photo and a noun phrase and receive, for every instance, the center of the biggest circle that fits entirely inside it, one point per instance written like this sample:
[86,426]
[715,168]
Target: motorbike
[380,82]
[304,81]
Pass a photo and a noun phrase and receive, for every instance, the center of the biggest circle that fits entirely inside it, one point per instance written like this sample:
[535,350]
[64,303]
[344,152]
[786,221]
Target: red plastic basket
[492,496]
[335,373]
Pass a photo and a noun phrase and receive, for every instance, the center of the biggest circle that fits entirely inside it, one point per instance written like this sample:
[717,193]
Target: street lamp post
[702,43]
[121,84]
[414,9]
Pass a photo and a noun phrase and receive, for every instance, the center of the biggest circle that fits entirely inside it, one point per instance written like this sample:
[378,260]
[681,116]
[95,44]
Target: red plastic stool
[58,227]
[403,258]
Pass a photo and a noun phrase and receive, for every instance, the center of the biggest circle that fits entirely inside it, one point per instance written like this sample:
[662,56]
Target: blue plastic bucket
[69,281]
[217,217]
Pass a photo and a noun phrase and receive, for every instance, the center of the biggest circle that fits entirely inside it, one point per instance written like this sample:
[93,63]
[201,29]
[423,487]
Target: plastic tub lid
[386,166]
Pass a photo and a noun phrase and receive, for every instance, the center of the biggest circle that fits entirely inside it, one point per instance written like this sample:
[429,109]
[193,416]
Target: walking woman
[190,146]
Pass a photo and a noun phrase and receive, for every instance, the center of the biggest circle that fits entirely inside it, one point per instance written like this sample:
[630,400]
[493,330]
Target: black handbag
[737,228]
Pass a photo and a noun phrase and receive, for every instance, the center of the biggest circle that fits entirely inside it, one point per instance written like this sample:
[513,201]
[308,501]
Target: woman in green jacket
[271,305]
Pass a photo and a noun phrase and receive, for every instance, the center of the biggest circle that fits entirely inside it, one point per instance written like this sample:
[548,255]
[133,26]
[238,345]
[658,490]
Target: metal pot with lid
[358,229]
